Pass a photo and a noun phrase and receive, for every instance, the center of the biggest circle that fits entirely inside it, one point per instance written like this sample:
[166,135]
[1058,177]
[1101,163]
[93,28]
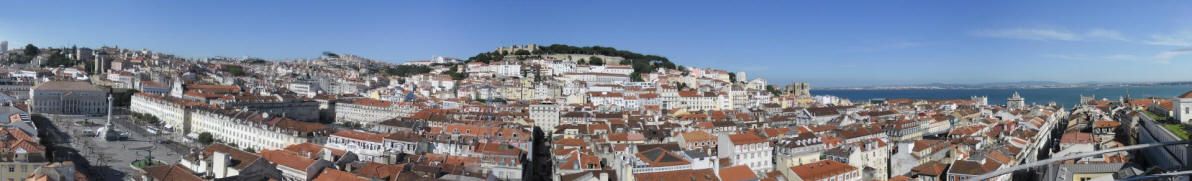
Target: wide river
[1064,96]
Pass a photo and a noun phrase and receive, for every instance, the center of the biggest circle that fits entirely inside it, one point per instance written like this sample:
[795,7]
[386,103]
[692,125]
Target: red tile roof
[372,102]
[678,175]
[1186,95]
[745,138]
[240,159]
[581,160]
[822,169]
[626,136]
[311,150]
[336,175]
[170,172]
[1106,124]
[363,136]
[737,173]
[1076,138]
[283,158]
[211,88]
[698,135]
[933,168]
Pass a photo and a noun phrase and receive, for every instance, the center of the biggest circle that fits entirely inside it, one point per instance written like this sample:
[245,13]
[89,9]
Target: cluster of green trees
[597,61]
[641,63]
[773,91]
[596,50]
[58,59]
[330,54]
[31,50]
[25,57]
[406,70]
[122,97]
[235,70]
[487,57]
[455,73]
[206,138]
[255,61]
[681,86]
[147,118]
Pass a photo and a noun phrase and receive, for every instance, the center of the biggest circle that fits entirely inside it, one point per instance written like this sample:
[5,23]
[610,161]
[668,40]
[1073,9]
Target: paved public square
[111,159]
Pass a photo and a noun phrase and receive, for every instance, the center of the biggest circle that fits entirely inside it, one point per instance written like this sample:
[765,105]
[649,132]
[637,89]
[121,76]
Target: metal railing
[1077,156]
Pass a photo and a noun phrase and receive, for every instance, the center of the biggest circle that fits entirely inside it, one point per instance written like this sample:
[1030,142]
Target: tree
[522,52]
[122,97]
[19,59]
[596,61]
[206,138]
[59,60]
[250,150]
[255,61]
[330,54]
[455,74]
[152,120]
[235,70]
[636,77]
[732,77]
[89,68]
[31,50]
[459,76]
[486,57]
[407,70]
[582,62]
[773,91]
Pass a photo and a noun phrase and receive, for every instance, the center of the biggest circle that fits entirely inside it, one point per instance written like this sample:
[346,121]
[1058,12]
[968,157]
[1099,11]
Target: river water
[1064,96]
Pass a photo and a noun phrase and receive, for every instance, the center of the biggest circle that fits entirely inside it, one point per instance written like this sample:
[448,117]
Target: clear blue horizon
[825,43]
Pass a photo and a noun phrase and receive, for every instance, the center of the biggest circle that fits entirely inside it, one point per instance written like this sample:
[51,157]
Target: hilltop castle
[514,48]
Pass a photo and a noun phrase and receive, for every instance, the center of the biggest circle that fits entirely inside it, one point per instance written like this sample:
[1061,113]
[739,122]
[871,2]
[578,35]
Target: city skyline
[595,91]
[828,44]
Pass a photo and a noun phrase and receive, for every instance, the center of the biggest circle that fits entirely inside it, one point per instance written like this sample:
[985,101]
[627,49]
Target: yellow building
[22,156]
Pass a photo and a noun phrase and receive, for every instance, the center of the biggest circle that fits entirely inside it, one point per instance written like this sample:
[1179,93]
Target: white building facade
[254,130]
[1183,108]
[170,111]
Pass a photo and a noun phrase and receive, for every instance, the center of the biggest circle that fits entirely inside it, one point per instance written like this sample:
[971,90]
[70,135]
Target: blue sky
[826,43]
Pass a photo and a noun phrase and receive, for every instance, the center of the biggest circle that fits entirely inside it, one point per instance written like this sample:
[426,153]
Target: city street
[110,159]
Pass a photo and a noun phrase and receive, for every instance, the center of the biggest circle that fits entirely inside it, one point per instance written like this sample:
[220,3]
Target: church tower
[176,89]
[980,100]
